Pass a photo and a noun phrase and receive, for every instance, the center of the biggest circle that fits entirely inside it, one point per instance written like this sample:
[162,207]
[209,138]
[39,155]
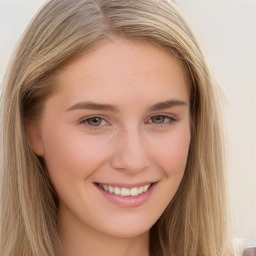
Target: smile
[120,191]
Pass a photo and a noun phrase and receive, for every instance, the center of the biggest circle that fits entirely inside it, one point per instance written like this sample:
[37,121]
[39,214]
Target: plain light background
[227,30]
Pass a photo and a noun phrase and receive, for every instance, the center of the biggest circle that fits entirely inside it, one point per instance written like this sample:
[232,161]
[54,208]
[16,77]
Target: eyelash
[168,119]
[85,121]
[171,120]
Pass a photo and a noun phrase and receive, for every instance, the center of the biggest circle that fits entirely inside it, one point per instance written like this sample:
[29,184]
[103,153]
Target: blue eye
[162,119]
[94,121]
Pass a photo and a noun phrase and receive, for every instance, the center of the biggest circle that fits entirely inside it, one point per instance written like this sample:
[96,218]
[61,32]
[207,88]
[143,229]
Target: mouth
[124,191]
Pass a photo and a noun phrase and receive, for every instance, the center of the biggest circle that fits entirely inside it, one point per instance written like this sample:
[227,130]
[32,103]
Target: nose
[130,152]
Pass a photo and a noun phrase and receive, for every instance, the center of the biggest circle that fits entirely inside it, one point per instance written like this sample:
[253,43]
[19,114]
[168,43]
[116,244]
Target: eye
[94,121]
[162,119]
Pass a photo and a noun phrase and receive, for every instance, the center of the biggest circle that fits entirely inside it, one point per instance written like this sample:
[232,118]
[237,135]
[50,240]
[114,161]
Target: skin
[130,144]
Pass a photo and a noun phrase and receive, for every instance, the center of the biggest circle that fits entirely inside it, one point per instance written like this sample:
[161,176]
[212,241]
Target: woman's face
[118,120]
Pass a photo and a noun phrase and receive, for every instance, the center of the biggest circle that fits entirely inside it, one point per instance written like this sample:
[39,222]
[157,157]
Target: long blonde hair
[196,222]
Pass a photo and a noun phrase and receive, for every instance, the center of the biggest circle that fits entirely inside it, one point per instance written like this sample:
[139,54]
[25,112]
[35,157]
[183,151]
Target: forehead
[119,64]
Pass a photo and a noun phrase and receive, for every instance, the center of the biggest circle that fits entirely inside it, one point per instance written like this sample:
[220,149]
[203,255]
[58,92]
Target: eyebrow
[94,106]
[112,108]
[167,104]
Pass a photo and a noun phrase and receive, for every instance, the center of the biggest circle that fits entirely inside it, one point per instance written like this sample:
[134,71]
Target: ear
[33,130]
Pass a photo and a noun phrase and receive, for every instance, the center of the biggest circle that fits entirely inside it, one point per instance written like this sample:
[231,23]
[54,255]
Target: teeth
[111,189]
[105,187]
[125,191]
[134,191]
[117,191]
[141,190]
[145,188]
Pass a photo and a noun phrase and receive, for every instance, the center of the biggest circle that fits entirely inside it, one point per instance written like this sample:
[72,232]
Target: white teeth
[134,191]
[141,190]
[111,189]
[145,188]
[117,191]
[125,191]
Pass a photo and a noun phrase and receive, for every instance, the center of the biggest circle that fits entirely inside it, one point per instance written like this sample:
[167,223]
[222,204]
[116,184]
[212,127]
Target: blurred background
[227,30]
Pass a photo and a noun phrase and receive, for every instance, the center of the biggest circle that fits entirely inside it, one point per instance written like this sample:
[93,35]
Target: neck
[81,240]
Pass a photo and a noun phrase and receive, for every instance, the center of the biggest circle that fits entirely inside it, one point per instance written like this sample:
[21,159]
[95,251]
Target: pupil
[94,121]
[158,119]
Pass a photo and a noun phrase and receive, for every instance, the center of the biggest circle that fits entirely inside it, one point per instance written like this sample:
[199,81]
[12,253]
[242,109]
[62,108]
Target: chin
[127,229]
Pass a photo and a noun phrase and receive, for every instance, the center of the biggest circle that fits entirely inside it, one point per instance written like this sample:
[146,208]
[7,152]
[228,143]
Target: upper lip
[126,185]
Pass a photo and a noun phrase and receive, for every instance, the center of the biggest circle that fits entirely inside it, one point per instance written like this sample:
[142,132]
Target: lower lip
[128,201]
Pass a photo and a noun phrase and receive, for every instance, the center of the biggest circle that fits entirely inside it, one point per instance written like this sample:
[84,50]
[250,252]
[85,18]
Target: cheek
[171,152]
[70,155]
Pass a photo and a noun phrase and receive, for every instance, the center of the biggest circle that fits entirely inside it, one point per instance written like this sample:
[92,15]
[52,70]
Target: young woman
[111,140]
